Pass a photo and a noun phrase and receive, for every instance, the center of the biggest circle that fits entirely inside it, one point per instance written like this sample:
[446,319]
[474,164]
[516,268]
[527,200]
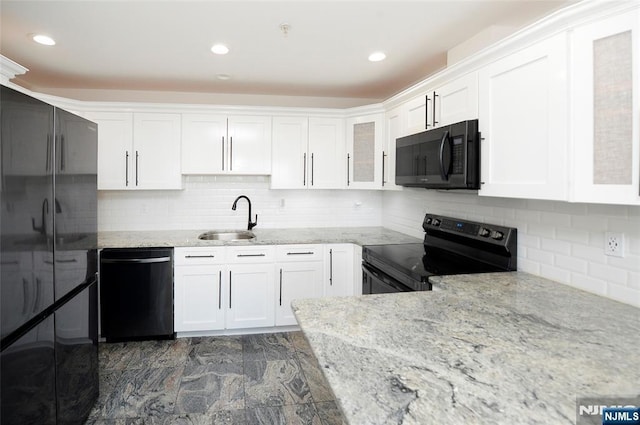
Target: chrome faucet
[233,207]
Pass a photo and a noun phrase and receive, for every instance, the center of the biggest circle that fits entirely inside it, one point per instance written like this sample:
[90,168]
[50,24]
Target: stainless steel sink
[227,235]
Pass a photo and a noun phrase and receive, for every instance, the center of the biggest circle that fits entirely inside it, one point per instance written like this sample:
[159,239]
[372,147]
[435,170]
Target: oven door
[375,281]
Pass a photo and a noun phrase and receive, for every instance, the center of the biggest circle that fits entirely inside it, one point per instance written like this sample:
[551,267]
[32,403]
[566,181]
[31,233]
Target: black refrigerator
[48,263]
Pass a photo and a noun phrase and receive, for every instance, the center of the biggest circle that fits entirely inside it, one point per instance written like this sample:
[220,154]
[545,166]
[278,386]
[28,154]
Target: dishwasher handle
[136,260]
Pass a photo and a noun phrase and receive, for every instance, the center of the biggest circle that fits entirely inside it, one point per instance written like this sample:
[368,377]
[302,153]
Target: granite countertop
[176,238]
[498,348]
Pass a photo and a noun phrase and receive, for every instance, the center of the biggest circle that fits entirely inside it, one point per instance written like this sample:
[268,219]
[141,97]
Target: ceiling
[164,46]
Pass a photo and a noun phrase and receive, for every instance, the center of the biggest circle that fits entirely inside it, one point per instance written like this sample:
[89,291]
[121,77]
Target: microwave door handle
[444,172]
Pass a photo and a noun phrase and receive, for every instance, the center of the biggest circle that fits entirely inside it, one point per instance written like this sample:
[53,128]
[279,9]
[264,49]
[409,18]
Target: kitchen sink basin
[227,235]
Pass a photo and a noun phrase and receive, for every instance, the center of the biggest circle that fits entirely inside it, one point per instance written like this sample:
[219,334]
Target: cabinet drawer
[250,254]
[299,253]
[199,255]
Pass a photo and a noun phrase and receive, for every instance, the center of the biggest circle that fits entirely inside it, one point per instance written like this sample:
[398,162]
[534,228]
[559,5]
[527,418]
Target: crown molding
[9,69]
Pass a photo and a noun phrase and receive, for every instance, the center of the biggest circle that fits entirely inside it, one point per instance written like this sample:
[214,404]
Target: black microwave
[443,158]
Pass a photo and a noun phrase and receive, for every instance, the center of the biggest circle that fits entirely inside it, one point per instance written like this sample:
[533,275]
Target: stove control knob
[497,235]
[436,222]
[428,220]
[484,232]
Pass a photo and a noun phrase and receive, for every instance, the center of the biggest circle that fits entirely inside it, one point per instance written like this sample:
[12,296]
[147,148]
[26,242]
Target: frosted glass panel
[364,151]
[612,108]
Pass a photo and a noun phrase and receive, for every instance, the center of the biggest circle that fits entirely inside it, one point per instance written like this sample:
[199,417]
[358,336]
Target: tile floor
[251,379]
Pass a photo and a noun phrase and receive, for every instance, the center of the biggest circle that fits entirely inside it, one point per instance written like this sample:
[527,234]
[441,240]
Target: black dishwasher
[136,293]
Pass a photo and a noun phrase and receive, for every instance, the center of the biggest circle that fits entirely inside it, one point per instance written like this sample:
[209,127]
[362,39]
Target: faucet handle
[254,224]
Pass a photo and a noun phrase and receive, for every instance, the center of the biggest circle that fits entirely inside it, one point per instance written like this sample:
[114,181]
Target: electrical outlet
[614,244]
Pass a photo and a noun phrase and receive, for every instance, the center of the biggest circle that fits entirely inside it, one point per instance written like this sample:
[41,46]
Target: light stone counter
[176,238]
[500,348]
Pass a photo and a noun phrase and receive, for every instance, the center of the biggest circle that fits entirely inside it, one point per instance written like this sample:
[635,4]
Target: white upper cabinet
[606,112]
[326,159]
[156,151]
[308,153]
[393,129]
[453,102]
[414,113]
[221,144]
[364,152]
[138,150]
[523,118]
[290,153]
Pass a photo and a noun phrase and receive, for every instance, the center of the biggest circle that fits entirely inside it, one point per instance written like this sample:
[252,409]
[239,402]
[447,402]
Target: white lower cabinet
[251,287]
[198,289]
[300,275]
[245,287]
[251,293]
[339,270]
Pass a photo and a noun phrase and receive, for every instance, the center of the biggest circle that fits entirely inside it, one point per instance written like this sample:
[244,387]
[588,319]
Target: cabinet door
[198,298]
[251,295]
[249,145]
[457,101]
[393,130]
[157,151]
[415,112]
[606,112]
[297,280]
[364,152]
[204,140]
[523,122]
[289,152]
[115,149]
[339,270]
[327,150]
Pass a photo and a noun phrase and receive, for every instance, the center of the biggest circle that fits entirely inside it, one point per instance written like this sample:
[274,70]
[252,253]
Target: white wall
[557,240]
[205,203]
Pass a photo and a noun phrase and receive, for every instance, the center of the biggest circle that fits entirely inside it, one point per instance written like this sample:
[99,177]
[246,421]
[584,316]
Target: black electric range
[451,246]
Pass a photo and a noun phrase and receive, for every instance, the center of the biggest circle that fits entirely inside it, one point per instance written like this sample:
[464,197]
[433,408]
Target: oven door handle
[381,276]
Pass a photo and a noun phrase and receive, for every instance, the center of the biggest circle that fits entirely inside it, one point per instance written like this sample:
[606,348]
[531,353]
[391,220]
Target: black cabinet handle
[331,267]
[126,168]
[426,111]
[251,255]
[348,158]
[304,169]
[222,145]
[199,256]
[281,287]
[311,169]
[384,155]
[220,290]
[434,109]
[301,253]
[137,155]
[229,289]
[230,153]
[47,160]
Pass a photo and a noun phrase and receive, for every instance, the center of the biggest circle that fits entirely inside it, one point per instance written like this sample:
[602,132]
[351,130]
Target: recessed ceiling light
[43,39]
[223,76]
[220,49]
[377,56]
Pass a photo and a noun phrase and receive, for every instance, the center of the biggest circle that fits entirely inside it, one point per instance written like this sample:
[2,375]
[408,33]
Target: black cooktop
[451,246]
[419,261]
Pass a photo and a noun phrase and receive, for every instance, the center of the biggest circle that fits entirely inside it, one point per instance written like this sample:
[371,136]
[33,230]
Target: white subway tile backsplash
[555,273]
[572,263]
[556,246]
[608,273]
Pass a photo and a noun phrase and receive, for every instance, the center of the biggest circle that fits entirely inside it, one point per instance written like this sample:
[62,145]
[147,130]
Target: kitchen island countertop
[498,348]
[318,235]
